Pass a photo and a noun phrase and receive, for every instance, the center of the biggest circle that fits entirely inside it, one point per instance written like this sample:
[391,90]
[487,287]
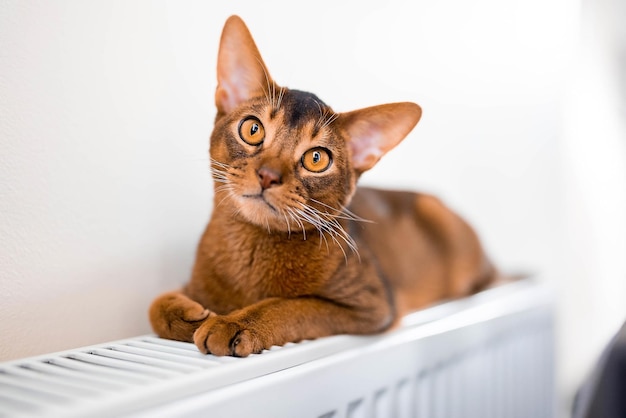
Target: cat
[294,250]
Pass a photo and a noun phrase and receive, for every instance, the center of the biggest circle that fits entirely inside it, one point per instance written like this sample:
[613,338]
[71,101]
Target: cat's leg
[277,321]
[175,316]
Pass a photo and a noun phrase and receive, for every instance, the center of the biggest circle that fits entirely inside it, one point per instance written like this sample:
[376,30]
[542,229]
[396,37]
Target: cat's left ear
[241,73]
[374,131]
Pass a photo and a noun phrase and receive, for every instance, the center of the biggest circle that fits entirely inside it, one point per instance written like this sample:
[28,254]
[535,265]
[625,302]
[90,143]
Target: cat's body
[294,250]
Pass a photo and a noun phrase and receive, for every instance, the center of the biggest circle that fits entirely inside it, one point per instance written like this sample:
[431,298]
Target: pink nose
[268,178]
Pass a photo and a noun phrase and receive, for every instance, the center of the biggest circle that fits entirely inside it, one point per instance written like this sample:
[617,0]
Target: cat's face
[282,162]
[281,158]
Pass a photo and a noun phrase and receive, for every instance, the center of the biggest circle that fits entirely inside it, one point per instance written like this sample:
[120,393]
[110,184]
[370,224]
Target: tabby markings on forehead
[300,107]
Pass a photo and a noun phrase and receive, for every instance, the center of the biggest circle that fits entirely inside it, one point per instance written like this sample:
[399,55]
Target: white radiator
[487,356]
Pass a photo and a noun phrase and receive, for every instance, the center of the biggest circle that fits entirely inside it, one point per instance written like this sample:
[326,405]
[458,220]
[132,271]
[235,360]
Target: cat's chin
[259,211]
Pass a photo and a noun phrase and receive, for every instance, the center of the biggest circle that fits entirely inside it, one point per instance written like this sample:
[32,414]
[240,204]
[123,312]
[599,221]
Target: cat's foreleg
[277,321]
[175,316]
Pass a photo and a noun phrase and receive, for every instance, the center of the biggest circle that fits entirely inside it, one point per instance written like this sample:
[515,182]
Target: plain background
[106,108]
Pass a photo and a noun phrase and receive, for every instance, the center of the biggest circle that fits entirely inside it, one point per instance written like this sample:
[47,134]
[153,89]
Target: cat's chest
[285,267]
[261,264]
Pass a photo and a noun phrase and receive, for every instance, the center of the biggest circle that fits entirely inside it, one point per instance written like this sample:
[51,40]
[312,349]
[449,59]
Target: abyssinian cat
[294,249]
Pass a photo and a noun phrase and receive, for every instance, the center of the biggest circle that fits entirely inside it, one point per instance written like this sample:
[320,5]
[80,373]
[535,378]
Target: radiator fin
[505,377]
[32,387]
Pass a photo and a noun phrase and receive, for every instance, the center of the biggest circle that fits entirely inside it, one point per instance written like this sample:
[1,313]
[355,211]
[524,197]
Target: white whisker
[343,213]
[287,222]
[229,193]
[327,116]
[295,217]
[273,99]
[279,101]
[327,223]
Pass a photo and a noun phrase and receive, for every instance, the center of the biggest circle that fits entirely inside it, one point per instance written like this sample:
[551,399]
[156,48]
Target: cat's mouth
[264,210]
[261,198]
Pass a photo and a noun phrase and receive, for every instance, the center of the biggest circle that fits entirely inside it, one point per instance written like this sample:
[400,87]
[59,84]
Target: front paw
[223,336]
[175,316]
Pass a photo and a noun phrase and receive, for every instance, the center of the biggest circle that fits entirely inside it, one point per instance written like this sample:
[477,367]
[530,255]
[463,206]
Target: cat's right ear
[241,73]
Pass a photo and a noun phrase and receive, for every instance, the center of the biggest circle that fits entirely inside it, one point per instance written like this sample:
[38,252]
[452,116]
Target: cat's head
[281,158]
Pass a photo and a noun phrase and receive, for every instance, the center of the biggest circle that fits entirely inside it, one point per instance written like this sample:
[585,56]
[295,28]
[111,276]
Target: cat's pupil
[254,128]
[317,156]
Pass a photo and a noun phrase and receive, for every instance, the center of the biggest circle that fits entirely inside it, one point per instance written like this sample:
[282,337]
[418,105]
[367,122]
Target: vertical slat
[402,403]
[514,365]
[500,377]
[523,353]
[440,383]
[356,409]
[482,365]
[490,384]
[382,404]
[423,394]
[472,374]
[454,387]
[536,377]
[546,365]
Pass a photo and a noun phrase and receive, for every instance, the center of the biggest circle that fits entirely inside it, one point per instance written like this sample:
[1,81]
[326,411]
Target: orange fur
[287,254]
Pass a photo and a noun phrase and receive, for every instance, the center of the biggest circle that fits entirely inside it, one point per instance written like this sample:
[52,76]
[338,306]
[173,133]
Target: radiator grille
[146,368]
[54,383]
[487,356]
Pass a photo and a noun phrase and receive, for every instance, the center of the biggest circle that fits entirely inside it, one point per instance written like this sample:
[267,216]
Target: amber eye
[251,131]
[316,160]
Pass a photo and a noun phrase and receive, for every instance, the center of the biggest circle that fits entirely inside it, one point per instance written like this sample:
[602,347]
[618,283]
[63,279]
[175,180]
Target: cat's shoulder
[391,202]
[383,202]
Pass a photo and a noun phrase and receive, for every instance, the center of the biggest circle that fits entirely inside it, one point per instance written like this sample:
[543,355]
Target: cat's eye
[251,131]
[316,160]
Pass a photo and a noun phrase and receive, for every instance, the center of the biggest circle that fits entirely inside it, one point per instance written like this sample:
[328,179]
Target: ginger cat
[294,250]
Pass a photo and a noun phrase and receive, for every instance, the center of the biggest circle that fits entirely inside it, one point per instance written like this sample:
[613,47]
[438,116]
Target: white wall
[593,153]
[106,108]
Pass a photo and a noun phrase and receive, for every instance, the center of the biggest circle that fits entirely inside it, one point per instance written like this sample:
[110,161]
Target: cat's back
[382,206]
[419,243]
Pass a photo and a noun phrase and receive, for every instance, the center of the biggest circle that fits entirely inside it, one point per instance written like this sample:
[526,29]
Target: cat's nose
[268,178]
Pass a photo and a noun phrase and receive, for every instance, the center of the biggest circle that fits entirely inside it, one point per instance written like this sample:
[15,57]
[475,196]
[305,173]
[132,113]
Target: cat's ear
[373,131]
[241,73]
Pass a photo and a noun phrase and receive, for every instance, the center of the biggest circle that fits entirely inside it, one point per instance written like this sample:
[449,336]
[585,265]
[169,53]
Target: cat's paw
[173,315]
[223,336]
